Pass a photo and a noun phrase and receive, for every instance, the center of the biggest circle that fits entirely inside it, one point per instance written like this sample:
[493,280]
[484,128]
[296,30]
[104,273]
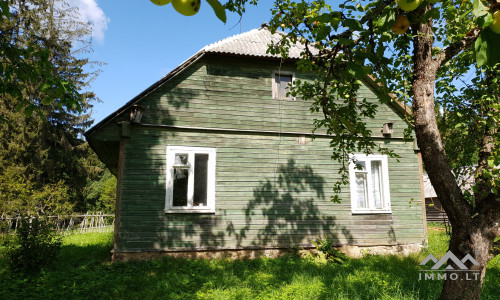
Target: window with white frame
[281,85]
[190,179]
[369,182]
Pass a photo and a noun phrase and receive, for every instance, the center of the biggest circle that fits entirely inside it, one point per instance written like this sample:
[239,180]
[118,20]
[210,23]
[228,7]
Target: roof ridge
[230,39]
[254,42]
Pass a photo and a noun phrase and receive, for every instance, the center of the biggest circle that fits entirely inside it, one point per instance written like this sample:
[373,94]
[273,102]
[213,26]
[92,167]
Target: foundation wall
[351,251]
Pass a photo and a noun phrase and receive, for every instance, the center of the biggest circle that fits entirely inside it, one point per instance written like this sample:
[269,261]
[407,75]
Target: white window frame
[386,197]
[275,86]
[190,151]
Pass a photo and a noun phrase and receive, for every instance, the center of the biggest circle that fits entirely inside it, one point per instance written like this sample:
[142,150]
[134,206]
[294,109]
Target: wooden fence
[78,223]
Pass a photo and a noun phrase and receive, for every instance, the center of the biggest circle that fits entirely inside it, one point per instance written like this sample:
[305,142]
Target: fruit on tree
[161,2]
[401,25]
[495,25]
[187,7]
[409,5]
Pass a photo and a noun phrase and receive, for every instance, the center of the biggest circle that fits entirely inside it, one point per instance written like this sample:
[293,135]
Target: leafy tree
[28,62]
[445,64]
[44,163]
[101,193]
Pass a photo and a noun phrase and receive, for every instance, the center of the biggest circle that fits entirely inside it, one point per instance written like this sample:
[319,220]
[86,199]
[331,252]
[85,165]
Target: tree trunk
[474,240]
[470,235]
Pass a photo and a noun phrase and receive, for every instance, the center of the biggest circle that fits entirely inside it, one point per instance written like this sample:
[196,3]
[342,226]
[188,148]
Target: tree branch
[455,48]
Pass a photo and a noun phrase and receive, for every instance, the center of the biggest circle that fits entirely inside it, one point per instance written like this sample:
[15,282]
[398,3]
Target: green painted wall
[237,93]
[270,190]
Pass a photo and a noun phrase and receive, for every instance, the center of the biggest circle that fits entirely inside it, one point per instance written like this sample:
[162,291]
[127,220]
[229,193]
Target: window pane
[181,159]
[376,189]
[282,82]
[360,166]
[180,187]
[200,179]
[361,195]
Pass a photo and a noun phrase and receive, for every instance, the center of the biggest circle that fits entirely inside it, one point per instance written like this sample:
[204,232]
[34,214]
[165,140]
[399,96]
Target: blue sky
[141,42]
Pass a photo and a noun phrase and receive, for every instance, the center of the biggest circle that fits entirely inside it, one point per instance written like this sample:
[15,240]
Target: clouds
[89,11]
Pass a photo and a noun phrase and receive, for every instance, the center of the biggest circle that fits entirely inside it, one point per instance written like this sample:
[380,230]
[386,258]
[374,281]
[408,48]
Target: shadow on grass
[83,271]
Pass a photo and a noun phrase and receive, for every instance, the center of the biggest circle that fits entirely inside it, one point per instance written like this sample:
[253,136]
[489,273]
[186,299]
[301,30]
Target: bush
[495,249]
[35,245]
[326,249]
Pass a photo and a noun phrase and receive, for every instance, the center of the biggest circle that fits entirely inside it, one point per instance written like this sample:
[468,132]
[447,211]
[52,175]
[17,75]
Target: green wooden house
[216,159]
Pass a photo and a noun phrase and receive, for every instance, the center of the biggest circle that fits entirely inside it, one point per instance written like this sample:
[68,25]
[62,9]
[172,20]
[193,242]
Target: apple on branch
[401,25]
[409,5]
[495,25]
[187,7]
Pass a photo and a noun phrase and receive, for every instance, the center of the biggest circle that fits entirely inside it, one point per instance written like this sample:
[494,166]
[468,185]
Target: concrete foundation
[349,250]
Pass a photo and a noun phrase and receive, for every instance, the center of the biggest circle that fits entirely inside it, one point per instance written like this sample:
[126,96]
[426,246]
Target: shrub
[326,249]
[35,245]
[495,249]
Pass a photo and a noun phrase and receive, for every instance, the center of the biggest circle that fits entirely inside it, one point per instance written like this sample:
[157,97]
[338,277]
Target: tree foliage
[29,62]
[100,193]
[445,68]
[44,162]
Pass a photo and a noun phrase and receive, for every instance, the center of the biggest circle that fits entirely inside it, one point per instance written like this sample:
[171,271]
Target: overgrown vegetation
[46,168]
[495,250]
[327,251]
[84,270]
[434,56]
[34,246]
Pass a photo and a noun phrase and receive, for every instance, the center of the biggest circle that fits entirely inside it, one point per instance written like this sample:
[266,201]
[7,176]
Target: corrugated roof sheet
[252,43]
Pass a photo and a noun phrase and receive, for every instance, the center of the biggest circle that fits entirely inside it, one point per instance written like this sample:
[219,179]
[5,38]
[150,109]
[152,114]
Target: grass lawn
[83,271]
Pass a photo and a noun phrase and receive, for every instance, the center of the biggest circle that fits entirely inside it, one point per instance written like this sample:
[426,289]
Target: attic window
[190,180]
[281,85]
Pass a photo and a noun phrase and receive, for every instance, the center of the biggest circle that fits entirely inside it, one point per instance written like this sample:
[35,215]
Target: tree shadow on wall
[172,102]
[289,210]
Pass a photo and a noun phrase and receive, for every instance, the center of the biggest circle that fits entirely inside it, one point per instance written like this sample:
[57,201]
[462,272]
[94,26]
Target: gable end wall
[271,190]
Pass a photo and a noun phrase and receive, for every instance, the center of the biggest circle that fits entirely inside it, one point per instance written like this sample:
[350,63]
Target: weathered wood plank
[250,199]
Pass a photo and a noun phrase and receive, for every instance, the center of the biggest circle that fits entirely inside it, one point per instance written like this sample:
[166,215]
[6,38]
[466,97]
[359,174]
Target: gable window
[190,179]
[281,85]
[369,182]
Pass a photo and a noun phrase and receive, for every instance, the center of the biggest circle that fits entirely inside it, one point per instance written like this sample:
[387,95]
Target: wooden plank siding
[235,93]
[271,190]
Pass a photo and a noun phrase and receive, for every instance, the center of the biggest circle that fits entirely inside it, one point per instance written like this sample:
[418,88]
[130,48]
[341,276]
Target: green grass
[84,271]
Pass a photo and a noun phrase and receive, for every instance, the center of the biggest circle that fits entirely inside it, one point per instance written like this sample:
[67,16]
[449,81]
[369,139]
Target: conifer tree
[44,162]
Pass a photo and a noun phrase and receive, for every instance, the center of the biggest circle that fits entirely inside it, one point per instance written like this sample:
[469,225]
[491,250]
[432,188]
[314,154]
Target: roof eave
[146,92]
[401,107]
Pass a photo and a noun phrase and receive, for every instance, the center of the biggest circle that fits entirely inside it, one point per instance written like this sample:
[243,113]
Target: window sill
[371,211]
[189,211]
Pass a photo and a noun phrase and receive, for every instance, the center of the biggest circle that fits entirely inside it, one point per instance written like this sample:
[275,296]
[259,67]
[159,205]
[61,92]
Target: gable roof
[253,43]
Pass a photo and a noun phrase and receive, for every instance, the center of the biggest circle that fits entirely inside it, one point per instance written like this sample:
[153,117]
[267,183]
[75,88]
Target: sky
[140,43]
